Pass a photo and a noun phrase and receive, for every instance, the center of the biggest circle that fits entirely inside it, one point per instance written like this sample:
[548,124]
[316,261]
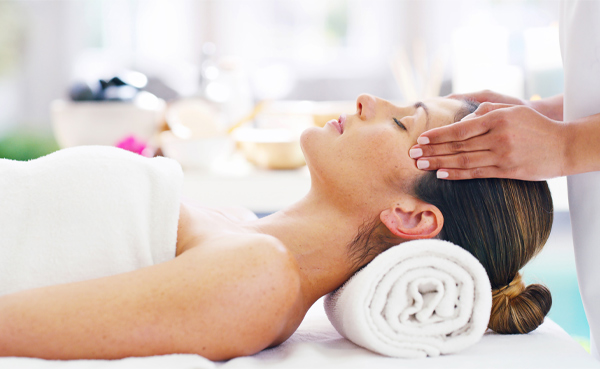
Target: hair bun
[519,309]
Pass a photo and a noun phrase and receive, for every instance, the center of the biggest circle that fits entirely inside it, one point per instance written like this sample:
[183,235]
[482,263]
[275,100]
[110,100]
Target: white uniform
[580,46]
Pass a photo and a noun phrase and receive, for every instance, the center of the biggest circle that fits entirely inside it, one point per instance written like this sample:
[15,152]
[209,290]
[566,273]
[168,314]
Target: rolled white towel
[421,298]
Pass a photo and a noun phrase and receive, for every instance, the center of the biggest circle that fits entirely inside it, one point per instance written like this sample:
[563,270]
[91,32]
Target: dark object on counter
[123,87]
[116,81]
[83,91]
[160,89]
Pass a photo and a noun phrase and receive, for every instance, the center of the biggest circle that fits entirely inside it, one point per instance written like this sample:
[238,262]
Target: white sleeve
[580,46]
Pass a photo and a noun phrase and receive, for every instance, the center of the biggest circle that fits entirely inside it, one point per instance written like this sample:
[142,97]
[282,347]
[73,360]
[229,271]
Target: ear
[413,219]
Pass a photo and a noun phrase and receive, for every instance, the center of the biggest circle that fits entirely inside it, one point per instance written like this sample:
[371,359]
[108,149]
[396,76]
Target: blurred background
[226,86]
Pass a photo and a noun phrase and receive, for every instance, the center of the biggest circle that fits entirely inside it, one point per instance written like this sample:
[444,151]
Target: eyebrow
[419,104]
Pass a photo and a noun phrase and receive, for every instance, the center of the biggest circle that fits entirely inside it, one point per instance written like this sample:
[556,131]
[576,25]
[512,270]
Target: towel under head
[83,213]
[420,298]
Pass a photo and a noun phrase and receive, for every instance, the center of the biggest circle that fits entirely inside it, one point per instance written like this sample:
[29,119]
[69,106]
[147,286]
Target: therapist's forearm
[552,107]
[582,142]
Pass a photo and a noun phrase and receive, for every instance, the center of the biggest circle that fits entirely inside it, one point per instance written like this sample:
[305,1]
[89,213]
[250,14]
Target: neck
[317,234]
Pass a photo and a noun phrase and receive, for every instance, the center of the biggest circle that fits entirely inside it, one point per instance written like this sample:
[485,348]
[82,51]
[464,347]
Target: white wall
[164,37]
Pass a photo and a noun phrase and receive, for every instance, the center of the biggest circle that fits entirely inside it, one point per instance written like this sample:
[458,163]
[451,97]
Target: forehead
[442,111]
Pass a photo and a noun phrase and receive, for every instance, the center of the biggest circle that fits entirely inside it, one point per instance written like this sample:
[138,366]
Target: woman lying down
[233,285]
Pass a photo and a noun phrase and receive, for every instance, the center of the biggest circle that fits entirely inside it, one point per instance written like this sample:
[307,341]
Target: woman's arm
[230,299]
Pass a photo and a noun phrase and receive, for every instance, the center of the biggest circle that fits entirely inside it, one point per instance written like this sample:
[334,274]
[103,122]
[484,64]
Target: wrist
[551,107]
[581,150]
[566,149]
[539,106]
[576,148]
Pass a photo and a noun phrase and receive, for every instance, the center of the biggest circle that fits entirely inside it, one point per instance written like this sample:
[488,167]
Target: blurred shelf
[240,184]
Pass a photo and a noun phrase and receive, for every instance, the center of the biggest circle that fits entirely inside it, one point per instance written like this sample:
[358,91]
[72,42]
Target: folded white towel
[421,298]
[83,213]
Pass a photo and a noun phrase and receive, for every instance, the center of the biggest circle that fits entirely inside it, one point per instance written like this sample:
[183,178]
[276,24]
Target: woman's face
[364,156]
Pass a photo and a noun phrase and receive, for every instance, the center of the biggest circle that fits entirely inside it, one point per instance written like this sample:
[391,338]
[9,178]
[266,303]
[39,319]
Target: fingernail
[442,174]
[423,164]
[469,116]
[415,153]
[422,140]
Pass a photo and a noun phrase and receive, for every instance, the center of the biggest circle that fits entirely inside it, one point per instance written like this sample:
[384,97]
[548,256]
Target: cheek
[386,154]
[378,149]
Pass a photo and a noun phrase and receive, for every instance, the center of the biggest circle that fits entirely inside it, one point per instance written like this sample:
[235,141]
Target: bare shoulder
[261,263]
[250,250]
[257,282]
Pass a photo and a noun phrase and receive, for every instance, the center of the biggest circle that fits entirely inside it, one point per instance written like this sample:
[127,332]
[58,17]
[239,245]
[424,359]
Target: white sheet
[316,344]
[155,362]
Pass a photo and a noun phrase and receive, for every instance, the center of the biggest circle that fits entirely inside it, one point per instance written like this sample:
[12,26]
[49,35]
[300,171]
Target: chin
[308,139]
[313,143]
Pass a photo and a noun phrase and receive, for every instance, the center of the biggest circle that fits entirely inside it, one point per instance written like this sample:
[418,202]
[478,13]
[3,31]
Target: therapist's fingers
[474,124]
[477,143]
[487,107]
[474,173]
[466,160]
[458,131]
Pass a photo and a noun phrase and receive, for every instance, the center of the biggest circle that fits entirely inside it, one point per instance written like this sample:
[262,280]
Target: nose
[365,106]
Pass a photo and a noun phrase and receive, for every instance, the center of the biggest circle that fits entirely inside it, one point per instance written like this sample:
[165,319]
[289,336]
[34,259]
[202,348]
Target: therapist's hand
[552,107]
[497,140]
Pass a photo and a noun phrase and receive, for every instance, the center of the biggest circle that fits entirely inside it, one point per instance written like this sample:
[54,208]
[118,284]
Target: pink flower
[136,145]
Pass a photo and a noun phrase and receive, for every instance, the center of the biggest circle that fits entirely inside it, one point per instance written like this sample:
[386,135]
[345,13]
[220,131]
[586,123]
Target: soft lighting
[211,72]
[136,79]
[535,97]
[146,100]
[218,92]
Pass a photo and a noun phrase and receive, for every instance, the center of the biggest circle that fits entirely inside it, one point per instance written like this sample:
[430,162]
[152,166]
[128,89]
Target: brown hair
[504,223]
[522,305]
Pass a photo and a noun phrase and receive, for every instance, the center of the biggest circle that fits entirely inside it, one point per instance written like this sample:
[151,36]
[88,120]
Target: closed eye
[400,124]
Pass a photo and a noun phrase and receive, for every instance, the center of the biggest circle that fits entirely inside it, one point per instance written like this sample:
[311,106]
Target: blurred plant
[11,34]
[25,144]
[336,23]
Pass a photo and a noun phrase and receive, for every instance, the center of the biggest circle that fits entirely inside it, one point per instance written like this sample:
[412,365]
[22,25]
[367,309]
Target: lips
[342,122]
[339,123]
